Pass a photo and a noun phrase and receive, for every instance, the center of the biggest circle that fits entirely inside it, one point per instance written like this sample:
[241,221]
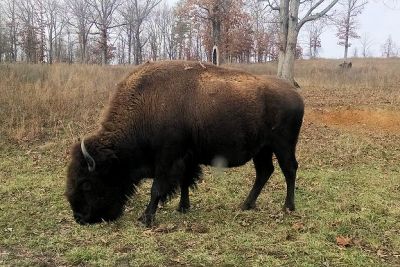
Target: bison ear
[107,158]
[108,165]
[108,154]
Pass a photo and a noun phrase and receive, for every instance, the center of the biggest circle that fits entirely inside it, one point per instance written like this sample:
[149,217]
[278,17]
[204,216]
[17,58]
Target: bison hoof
[248,206]
[288,208]
[183,209]
[147,219]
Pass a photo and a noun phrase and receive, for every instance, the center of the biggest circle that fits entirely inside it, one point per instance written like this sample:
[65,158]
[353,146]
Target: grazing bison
[168,118]
[346,65]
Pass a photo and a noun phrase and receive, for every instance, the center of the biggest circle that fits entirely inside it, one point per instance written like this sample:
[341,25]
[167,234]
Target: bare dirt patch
[364,120]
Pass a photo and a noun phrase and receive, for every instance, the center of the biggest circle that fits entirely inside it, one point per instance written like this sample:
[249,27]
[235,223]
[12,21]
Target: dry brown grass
[371,82]
[40,102]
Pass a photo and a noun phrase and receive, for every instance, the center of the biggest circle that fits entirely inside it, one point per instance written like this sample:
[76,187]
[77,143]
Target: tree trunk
[288,39]
[83,56]
[104,46]
[138,47]
[283,33]
[347,33]
[13,33]
[289,27]
[216,35]
[51,45]
[216,31]
[129,43]
[82,43]
[287,66]
[346,48]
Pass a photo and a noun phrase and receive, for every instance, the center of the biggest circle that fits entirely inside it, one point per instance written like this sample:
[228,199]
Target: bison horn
[90,161]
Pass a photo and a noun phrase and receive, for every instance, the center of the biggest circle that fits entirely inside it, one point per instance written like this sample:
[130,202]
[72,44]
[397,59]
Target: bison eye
[86,186]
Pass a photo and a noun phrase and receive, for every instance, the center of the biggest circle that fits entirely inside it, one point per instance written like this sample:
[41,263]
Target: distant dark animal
[346,65]
[168,118]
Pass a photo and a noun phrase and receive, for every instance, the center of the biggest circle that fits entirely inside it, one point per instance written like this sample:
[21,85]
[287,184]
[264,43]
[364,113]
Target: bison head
[96,189]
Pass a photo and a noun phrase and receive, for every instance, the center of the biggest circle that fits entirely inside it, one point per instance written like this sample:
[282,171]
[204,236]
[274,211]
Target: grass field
[348,189]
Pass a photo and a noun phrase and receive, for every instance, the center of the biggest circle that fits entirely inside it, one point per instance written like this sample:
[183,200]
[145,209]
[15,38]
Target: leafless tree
[155,37]
[218,17]
[347,24]
[136,13]
[366,43]
[121,43]
[29,30]
[128,20]
[180,35]
[51,7]
[41,24]
[164,18]
[10,14]
[355,52]
[291,20]
[265,32]
[390,3]
[81,20]
[55,22]
[3,36]
[260,20]
[389,48]
[314,30]
[69,46]
[103,17]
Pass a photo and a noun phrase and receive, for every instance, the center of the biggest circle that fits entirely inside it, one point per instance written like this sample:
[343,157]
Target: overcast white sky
[378,21]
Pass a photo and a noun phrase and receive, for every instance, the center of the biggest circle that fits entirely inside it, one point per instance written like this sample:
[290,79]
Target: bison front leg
[148,215]
[165,183]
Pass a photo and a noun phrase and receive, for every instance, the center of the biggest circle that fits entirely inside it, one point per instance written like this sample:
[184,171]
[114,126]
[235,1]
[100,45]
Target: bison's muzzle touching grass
[168,118]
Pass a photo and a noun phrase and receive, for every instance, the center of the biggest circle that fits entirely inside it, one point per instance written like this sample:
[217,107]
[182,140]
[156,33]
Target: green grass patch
[359,202]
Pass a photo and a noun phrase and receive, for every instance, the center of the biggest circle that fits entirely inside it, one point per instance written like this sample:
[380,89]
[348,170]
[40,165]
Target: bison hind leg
[264,168]
[288,163]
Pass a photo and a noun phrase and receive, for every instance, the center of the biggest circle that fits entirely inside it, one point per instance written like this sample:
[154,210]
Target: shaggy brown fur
[167,118]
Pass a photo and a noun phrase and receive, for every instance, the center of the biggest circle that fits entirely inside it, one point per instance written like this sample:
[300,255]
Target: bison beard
[168,118]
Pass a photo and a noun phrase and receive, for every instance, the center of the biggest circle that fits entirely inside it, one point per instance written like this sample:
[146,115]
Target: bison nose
[80,218]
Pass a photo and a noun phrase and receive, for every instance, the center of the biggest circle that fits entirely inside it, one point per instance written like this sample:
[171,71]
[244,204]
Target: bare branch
[317,15]
[273,6]
[312,8]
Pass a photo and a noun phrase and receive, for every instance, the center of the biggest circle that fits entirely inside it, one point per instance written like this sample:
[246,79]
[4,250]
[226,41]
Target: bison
[346,65]
[168,118]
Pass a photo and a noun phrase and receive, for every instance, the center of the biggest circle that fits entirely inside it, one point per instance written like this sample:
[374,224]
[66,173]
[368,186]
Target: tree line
[133,31]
